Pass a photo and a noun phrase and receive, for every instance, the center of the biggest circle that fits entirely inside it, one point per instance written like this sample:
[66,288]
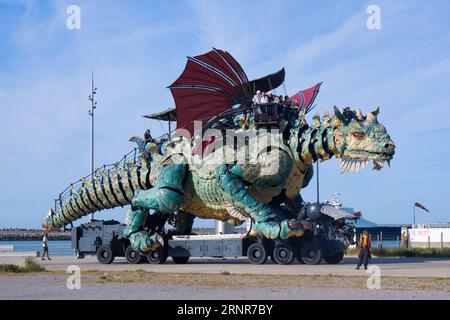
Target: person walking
[45,246]
[365,250]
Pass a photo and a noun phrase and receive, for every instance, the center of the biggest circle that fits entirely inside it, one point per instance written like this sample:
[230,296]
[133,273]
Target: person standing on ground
[365,250]
[45,246]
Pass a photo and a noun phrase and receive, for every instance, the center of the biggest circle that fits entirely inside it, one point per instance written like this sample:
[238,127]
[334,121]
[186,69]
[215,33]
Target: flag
[305,98]
[418,205]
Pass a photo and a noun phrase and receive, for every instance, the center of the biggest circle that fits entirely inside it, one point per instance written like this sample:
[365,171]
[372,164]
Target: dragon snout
[389,149]
[390,145]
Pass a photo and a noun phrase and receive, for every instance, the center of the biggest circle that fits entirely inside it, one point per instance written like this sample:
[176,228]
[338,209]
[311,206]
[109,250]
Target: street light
[93,106]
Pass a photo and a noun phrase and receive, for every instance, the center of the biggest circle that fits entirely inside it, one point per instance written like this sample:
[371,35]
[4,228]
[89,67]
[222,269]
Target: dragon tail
[106,188]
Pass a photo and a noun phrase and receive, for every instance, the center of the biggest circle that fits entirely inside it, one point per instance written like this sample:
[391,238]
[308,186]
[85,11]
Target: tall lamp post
[318,181]
[91,114]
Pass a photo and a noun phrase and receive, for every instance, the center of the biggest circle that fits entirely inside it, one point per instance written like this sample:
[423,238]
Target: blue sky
[138,48]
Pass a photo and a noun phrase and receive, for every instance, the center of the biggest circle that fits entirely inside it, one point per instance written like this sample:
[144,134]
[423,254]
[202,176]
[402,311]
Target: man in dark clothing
[287,101]
[365,250]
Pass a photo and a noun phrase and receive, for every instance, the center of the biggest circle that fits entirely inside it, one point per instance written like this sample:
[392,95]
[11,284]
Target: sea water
[63,247]
[55,247]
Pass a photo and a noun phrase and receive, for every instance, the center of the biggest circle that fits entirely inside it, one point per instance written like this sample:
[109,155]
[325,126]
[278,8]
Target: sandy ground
[401,278]
[54,287]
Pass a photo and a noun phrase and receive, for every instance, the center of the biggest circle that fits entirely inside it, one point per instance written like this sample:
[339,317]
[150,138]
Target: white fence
[429,237]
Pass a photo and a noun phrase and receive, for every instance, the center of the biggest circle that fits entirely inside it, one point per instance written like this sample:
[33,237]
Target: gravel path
[42,286]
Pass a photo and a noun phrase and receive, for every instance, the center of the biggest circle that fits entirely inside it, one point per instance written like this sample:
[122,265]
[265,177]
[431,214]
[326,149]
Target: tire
[257,253]
[310,254]
[105,255]
[335,259]
[159,256]
[180,260]
[283,254]
[132,256]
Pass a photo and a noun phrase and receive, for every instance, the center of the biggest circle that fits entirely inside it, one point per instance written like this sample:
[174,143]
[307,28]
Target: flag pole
[414,215]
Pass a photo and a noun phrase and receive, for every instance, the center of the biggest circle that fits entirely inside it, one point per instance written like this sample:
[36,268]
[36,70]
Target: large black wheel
[334,259]
[105,255]
[180,260]
[310,254]
[132,256]
[159,256]
[257,253]
[282,254]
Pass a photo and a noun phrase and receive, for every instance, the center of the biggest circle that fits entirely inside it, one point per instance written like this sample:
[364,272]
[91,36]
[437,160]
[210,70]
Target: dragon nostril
[389,145]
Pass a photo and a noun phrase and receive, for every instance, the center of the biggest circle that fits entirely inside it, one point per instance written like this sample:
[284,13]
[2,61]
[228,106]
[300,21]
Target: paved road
[395,267]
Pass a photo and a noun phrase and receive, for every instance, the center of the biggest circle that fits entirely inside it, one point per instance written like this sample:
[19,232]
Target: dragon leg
[164,197]
[140,239]
[270,222]
[184,223]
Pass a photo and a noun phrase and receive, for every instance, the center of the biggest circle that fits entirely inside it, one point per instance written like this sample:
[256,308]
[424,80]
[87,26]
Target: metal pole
[414,216]
[317,181]
[381,239]
[91,114]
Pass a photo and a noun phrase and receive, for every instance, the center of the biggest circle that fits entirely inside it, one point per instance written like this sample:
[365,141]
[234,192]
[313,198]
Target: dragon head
[360,139]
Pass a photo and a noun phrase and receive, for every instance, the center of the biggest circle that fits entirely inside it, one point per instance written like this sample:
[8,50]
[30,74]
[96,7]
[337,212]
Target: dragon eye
[358,135]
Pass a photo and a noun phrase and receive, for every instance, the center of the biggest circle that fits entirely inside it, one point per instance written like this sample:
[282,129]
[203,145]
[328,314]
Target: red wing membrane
[209,84]
[305,98]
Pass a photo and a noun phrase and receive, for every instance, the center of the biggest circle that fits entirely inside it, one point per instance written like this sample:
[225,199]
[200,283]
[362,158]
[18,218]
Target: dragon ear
[376,111]
[371,117]
[338,114]
[358,114]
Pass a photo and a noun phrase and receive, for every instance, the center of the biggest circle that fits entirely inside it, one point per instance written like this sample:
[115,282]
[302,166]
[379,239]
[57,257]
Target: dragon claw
[300,225]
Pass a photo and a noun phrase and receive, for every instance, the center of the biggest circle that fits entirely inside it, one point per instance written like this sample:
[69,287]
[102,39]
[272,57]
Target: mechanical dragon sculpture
[258,180]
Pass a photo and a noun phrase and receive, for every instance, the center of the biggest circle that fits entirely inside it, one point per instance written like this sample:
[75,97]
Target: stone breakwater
[34,234]
[31,234]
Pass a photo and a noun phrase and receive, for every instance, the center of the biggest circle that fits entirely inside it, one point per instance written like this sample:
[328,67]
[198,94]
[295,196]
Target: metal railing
[66,194]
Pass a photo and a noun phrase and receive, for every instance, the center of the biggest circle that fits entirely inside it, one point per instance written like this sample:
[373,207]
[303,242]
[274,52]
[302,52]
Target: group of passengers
[287,108]
[263,97]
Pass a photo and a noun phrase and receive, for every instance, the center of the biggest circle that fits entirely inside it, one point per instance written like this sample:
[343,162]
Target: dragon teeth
[354,165]
[358,166]
[351,166]
[347,165]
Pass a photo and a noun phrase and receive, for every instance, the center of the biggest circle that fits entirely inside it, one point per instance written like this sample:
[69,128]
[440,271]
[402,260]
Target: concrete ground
[395,267]
[401,278]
